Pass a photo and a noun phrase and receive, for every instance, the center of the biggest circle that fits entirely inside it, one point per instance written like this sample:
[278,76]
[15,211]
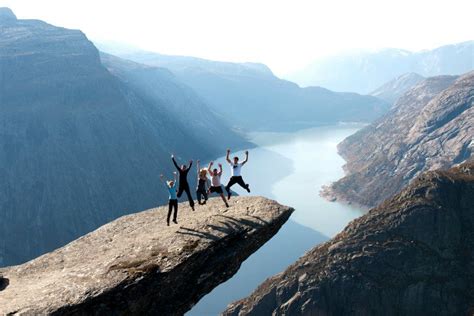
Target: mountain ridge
[430,127]
[413,253]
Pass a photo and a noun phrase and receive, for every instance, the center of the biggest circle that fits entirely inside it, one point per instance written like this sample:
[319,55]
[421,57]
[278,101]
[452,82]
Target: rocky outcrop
[79,145]
[412,255]
[137,265]
[430,127]
[395,88]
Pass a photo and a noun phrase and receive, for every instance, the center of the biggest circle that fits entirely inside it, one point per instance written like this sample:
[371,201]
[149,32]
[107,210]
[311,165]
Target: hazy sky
[285,35]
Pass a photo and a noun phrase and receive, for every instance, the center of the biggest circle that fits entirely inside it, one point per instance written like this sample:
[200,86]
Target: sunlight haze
[285,35]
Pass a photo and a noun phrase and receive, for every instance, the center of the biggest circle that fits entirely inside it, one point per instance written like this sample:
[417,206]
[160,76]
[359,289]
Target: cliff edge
[136,265]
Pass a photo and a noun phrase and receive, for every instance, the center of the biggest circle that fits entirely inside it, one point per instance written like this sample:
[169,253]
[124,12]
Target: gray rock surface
[412,255]
[136,265]
[396,87]
[430,127]
[79,146]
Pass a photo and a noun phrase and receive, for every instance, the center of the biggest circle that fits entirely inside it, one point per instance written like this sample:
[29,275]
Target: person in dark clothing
[236,177]
[183,180]
[173,200]
[201,190]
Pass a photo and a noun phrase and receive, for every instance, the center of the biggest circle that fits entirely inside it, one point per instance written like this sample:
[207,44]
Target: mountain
[430,127]
[364,72]
[136,265]
[80,145]
[412,255]
[248,95]
[395,88]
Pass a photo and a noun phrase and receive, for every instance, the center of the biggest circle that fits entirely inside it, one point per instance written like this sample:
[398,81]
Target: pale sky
[285,35]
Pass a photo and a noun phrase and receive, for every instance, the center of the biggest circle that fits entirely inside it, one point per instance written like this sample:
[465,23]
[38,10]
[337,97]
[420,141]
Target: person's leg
[204,193]
[175,215]
[241,182]
[223,199]
[180,191]
[170,207]
[190,197]
[199,195]
[232,181]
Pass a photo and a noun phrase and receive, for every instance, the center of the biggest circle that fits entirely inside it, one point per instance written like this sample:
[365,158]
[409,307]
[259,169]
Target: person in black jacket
[183,181]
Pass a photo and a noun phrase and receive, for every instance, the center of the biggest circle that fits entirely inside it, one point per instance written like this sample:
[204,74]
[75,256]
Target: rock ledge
[138,265]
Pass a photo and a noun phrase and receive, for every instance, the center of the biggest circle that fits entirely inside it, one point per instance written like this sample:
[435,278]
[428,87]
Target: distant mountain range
[364,72]
[81,144]
[430,127]
[250,97]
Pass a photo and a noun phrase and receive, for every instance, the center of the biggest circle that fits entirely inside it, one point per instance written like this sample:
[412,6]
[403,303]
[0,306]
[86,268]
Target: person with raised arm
[183,181]
[216,186]
[201,190]
[236,176]
[173,199]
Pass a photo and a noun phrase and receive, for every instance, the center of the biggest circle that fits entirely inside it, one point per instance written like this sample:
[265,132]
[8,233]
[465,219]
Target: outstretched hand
[198,161]
[172,156]
[161,176]
[220,165]
[190,162]
[246,152]
[211,163]
[228,150]
[174,172]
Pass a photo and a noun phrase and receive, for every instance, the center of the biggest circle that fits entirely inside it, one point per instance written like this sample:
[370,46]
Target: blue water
[290,168]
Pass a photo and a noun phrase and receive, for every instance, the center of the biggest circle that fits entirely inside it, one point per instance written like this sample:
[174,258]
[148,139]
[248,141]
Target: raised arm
[190,164]
[220,169]
[227,156]
[246,157]
[175,176]
[174,162]
[209,168]
[197,166]
[162,178]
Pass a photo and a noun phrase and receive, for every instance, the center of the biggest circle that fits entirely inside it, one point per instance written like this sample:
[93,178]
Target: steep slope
[137,265]
[160,87]
[364,72]
[78,146]
[430,127]
[249,96]
[395,88]
[412,255]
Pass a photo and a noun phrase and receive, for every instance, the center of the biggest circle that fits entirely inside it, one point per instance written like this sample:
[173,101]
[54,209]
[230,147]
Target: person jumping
[236,176]
[201,190]
[173,199]
[216,185]
[183,181]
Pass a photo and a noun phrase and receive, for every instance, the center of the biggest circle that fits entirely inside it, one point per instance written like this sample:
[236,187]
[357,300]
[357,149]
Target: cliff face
[412,255]
[137,265]
[430,127]
[79,147]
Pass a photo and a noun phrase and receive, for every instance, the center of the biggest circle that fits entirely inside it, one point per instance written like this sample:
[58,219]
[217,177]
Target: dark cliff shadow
[228,226]
[4,282]
[196,233]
